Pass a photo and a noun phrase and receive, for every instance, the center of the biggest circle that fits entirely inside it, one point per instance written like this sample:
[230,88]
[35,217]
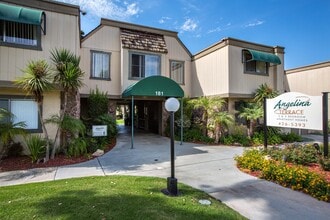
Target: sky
[302,27]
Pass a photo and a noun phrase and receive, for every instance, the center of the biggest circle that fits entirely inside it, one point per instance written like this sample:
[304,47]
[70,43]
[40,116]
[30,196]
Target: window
[254,66]
[144,65]
[100,65]
[25,110]
[177,71]
[20,34]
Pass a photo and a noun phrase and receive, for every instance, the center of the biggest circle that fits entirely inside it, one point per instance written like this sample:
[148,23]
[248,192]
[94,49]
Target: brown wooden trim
[309,67]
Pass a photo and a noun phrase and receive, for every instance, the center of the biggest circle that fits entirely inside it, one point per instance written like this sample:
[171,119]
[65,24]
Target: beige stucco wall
[105,39]
[310,80]
[178,53]
[210,74]
[218,70]
[241,83]
[62,32]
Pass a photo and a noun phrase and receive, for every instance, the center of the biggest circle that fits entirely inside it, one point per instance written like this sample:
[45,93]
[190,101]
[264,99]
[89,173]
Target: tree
[222,120]
[251,113]
[37,79]
[69,77]
[264,91]
[208,106]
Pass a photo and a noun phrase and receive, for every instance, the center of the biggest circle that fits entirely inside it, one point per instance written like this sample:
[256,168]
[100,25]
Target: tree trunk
[217,133]
[44,129]
[62,113]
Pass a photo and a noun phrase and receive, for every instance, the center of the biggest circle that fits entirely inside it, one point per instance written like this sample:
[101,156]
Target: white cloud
[107,8]
[217,29]
[255,23]
[189,25]
[164,20]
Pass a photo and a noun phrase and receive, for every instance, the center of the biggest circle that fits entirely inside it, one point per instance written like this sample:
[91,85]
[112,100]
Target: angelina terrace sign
[295,110]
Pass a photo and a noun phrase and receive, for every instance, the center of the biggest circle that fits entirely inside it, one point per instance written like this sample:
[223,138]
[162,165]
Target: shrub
[301,154]
[77,147]
[108,120]
[252,159]
[325,163]
[97,103]
[236,138]
[195,135]
[295,177]
[15,149]
[37,147]
[291,137]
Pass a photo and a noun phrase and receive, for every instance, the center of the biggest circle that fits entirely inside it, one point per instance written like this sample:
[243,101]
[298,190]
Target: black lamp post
[172,105]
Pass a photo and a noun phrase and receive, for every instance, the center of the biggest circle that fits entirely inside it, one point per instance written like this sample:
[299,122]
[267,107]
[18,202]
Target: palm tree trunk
[62,113]
[217,133]
[44,129]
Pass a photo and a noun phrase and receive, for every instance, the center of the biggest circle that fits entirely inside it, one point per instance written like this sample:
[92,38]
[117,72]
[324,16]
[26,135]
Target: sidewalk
[209,168]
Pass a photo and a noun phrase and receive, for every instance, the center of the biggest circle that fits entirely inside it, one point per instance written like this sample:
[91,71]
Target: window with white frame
[100,65]
[24,110]
[254,66]
[177,71]
[144,65]
[20,34]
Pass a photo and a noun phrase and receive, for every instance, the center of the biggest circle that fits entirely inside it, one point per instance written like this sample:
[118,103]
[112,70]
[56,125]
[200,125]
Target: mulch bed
[24,162]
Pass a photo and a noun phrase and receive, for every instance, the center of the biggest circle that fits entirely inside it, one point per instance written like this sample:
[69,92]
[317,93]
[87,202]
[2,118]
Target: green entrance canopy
[263,56]
[20,14]
[154,86]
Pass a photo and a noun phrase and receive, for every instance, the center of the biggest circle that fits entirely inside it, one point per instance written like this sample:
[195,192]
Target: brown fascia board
[48,5]
[308,67]
[239,43]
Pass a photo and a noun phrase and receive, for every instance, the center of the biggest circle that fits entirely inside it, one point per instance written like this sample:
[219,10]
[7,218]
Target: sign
[295,110]
[99,130]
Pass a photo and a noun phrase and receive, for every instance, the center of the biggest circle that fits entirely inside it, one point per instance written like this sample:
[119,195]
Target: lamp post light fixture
[172,105]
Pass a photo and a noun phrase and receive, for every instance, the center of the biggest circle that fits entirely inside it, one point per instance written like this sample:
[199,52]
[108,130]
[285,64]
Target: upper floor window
[144,65]
[100,65]
[177,71]
[24,110]
[21,27]
[254,66]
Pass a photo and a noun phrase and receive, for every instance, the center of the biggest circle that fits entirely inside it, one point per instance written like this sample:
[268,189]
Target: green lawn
[111,197]
[120,121]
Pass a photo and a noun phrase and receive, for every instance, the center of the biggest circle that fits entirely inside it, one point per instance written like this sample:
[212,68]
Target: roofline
[121,24]
[136,27]
[240,43]
[308,67]
[48,5]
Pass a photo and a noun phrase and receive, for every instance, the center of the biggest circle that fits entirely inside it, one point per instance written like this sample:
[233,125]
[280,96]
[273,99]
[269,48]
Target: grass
[111,197]
[120,121]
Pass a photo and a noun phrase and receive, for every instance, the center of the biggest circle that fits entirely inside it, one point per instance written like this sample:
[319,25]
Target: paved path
[209,168]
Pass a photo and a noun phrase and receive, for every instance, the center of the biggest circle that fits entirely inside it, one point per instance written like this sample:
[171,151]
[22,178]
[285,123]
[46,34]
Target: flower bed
[296,177]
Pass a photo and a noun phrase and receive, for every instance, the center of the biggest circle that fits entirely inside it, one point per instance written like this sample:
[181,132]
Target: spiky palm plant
[264,91]
[221,120]
[251,113]
[36,80]
[68,76]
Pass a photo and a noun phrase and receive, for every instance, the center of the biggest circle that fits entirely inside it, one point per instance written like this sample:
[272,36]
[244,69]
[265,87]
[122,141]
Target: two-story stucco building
[122,59]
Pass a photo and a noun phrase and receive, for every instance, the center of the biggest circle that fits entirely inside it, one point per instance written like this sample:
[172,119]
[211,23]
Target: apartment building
[138,67]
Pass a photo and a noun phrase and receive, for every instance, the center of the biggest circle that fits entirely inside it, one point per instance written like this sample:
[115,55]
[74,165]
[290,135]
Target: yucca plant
[37,79]
[37,147]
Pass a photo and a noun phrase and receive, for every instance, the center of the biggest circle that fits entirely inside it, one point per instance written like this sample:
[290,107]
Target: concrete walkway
[209,168]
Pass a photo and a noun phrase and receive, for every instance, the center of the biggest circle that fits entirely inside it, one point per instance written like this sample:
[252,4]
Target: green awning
[154,86]
[20,14]
[263,56]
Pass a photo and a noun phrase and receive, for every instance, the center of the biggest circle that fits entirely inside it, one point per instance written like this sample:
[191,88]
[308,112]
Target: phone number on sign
[292,124]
